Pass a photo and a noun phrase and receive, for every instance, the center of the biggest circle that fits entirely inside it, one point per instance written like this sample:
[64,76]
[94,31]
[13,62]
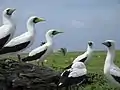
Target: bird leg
[78,87]
[70,88]
[19,58]
[73,87]
[42,63]
[37,62]
[33,69]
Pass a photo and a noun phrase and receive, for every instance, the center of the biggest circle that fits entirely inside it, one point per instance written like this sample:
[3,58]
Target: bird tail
[28,58]
[4,50]
[60,84]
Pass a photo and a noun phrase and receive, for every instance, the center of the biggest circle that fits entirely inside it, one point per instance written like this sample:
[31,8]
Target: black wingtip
[68,66]
[3,50]
[25,59]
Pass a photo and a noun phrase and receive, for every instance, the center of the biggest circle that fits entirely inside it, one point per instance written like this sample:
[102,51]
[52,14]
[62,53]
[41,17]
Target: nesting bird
[43,51]
[111,71]
[8,28]
[75,75]
[85,57]
[20,43]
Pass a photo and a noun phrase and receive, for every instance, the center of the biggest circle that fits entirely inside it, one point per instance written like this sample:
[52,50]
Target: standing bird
[75,75]
[111,71]
[43,51]
[8,28]
[23,41]
[85,57]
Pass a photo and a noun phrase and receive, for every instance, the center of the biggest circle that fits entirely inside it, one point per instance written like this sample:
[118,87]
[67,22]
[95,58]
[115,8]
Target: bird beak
[104,43]
[40,20]
[12,10]
[59,32]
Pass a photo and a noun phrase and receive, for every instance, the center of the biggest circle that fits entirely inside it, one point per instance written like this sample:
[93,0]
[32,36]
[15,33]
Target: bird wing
[5,35]
[4,31]
[68,66]
[19,39]
[38,50]
[115,73]
[36,53]
[81,58]
[63,50]
[77,72]
[65,73]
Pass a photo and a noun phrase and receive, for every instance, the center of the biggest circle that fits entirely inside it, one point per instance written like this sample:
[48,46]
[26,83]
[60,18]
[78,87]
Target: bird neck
[49,39]
[31,27]
[109,59]
[89,49]
[8,20]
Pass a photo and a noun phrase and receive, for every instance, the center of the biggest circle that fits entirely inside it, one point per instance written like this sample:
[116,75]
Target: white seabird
[43,51]
[8,28]
[85,57]
[111,71]
[75,75]
[23,41]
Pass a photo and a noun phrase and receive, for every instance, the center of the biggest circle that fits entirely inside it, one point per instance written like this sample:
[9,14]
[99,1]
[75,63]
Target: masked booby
[85,57]
[43,51]
[20,43]
[75,75]
[8,28]
[111,71]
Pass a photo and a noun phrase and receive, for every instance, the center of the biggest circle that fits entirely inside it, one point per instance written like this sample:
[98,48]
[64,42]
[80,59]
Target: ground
[95,66]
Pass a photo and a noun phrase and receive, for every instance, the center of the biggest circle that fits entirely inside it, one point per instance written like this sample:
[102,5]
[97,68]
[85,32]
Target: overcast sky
[81,20]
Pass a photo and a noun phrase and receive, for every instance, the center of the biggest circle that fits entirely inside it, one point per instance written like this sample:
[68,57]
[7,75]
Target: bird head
[35,19]
[8,12]
[90,44]
[110,44]
[53,32]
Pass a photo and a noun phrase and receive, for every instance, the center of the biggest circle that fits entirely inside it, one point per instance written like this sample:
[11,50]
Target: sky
[80,20]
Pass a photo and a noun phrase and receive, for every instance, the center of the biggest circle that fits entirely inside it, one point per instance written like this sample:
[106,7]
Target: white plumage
[23,41]
[111,71]
[78,69]
[85,57]
[76,74]
[43,51]
[27,36]
[8,28]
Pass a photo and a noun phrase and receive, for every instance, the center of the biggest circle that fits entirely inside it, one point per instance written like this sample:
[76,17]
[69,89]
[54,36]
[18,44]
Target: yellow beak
[40,20]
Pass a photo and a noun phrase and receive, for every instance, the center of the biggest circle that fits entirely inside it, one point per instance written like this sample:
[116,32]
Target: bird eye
[35,20]
[8,12]
[90,43]
[109,44]
[54,32]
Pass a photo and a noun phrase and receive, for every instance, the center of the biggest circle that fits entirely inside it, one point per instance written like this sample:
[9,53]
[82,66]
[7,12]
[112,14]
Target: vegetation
[95,67]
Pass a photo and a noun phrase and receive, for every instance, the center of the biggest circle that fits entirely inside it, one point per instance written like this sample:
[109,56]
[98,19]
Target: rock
[24,76]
